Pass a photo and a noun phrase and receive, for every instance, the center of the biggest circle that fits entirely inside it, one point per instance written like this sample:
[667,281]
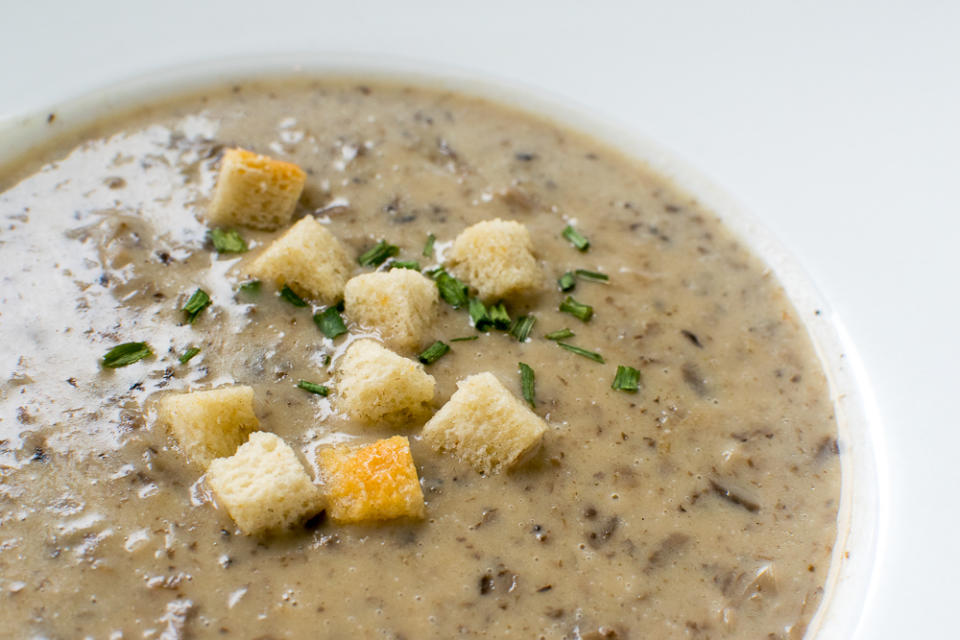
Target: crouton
[263,486]
[255,191]
[308,259]
[376,385]
[485,425]
[209,424]
[400,305]
[496,258]
[374,482]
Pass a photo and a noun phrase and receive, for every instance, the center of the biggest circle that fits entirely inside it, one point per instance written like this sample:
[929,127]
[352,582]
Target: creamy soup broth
[702,506]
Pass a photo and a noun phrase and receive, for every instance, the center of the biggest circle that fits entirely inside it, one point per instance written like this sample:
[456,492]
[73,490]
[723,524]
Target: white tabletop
[838,125]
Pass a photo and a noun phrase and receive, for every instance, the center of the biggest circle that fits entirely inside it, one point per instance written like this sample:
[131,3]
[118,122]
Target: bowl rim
[863,518]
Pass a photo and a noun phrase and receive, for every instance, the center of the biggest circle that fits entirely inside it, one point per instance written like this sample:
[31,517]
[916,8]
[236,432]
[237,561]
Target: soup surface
[703,505]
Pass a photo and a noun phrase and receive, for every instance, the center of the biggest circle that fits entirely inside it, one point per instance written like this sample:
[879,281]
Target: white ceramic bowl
[863,507]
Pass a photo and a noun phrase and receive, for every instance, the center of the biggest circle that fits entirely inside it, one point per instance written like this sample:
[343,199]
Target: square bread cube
[376,385]
[210,424]
[485,425]
[263,486]
[496,258]
[308,259]
[375,482]
[255,191]
[400,305]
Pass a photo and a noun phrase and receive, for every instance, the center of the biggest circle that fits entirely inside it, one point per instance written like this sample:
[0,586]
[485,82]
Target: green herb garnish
[465,338]
[522,327]
[526,383]
[559,335]
[575,238]
[330,323]
[197,303]
[479,316]
[250,288]
[405,264]
[313,387]
[433,353]
[567,282]
[428,247]
[189,353]
[627,379]
[592,275]
[451,289]
[124,354]
[574,308]
[500,317]
[287,294]
[227,240]
[596,357]
[377,254]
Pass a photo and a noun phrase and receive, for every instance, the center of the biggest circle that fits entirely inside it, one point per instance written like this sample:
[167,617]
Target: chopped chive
[428,247]
[559,335]
[227,240]
[465,338]
[479,316]
[575,238]
[574,308]
[627,379]
[592,275]
[197,303]
[451,289]
[500,317]
[522,327]
[526,383]
[433,353]
[250,288]
[405,264]
[377,254]
[124,354]
[189,353]
[325,359]
[330,323]
[596,357]
[567,282]
[288,294]
[313,387]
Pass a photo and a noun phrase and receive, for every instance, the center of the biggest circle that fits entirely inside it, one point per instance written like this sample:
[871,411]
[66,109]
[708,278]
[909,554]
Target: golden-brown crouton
[209,424]
[308,259]
[400,305]
[374,482]
[263,486]
[485,425]
[496,258]
[376,385]
[255,191]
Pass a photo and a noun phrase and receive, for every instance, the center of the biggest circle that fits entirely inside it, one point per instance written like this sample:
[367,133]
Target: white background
[836,123]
